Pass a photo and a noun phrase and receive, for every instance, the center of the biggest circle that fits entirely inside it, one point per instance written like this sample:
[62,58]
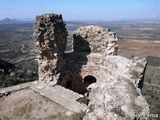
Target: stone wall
[116,92]
[119,97]
[95,39]
[90,46]
[80,65]
[50,39]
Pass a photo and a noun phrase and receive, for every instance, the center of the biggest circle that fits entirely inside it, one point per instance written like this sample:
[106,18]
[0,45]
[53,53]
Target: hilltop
[14,21]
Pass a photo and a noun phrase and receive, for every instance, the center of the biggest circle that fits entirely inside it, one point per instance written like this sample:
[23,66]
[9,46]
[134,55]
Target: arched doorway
[89,80]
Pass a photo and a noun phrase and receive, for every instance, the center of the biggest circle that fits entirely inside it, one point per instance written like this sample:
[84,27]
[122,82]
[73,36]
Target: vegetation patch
[83,100]
[23,72]
[152,75]
[151,89]
[78,116]
[24,110]
[153,100]
[153,61]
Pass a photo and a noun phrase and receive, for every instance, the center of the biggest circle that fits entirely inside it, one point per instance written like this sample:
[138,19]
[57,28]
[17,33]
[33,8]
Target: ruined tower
[114,90]
[50,38]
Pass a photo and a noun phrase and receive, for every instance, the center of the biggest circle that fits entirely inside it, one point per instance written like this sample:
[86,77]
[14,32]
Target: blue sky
[82,9]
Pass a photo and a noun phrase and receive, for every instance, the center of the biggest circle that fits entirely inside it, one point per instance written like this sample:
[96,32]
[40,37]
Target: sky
[82,9]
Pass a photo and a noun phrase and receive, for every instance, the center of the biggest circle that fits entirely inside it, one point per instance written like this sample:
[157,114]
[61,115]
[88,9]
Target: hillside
[13,21]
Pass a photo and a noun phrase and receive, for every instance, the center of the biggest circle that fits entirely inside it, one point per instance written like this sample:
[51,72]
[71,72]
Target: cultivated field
[139,48]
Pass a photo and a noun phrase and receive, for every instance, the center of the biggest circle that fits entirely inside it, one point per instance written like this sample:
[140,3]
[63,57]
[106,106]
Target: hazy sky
[82,9]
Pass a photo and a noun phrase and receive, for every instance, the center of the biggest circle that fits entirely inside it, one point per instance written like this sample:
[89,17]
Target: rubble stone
[113,83]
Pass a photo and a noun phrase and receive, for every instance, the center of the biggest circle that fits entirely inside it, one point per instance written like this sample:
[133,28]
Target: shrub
[84,100]
[78,116]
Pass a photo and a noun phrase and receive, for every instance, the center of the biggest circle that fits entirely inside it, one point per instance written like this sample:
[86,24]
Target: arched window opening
[89,80]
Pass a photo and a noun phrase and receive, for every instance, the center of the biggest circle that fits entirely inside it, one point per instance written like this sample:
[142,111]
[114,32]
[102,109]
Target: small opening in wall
[89,79]
[69,84]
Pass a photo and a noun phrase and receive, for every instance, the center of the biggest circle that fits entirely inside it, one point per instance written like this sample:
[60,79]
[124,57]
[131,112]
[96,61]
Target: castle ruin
[84,65]
[93,60]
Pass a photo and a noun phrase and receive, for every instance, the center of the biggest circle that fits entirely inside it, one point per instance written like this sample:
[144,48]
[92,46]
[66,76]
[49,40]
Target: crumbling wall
[116,92]
[95,39]
[50,39]
[80,65]
[90,45]
[119,97]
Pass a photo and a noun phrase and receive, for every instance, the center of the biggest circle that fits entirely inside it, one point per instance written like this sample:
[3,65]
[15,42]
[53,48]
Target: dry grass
[29,105]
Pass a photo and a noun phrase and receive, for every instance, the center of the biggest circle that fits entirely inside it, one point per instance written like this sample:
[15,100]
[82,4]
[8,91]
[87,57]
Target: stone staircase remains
[58,94]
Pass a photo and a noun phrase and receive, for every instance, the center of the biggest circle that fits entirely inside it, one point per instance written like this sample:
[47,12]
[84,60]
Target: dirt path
[22,48]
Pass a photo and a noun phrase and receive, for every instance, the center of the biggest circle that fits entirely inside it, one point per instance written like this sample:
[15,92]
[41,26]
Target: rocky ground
[151,87]
[26,104]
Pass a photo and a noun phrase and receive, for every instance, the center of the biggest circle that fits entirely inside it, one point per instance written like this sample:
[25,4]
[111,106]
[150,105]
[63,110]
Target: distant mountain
[24,19]
[14,21]
[7,20]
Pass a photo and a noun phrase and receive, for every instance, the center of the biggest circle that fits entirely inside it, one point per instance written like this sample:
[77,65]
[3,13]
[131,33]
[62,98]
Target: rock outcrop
[112,82]
[119,97]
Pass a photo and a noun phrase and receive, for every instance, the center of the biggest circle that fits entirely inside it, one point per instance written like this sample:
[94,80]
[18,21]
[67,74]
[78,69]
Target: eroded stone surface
[50,38]
[80,65]
[113,82]
[95,39]
[119,97]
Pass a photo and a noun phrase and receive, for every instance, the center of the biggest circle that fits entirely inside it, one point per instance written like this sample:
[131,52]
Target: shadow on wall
[140,85]
[70,76]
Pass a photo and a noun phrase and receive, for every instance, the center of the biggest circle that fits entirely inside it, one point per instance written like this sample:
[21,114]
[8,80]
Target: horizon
[80,10]
[113,20]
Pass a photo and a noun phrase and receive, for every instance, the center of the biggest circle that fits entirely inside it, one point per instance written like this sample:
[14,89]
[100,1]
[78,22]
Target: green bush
[78,116]
[153,100]
[84,100]
[153,61]
[21,75]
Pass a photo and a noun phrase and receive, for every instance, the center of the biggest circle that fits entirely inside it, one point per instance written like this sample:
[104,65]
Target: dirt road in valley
[22,48]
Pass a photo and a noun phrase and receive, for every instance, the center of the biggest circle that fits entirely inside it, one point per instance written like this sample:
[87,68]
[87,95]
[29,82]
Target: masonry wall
[50,39]
[95,39]
[79,65]
[91,44]
[116,93]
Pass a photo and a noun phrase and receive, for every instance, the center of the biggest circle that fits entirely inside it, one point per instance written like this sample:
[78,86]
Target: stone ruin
[114,83]
[50,39]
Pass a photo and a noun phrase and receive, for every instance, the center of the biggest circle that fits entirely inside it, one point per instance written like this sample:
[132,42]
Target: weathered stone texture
[118,97]
[112,82]
[95,39]
[50,38]
[80,65]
